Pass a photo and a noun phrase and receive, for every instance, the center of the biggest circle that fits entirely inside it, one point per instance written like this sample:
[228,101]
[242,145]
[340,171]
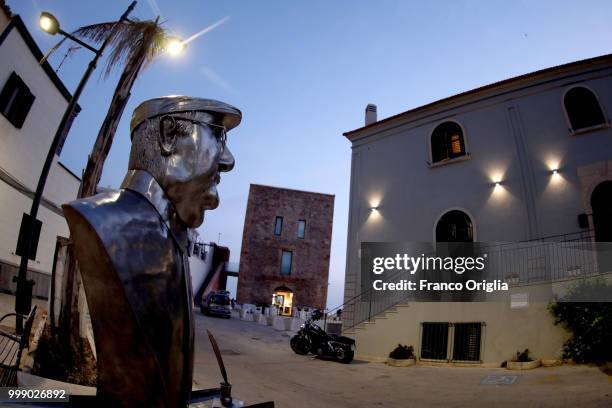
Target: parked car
[216,304]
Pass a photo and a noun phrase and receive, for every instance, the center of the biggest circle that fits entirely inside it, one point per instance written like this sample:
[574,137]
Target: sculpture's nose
[226,161]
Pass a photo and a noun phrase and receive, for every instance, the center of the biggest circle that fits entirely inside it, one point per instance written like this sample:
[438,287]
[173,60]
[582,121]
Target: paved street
[261,366]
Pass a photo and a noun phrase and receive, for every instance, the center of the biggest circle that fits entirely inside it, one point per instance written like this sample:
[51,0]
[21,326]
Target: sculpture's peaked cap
[225,114]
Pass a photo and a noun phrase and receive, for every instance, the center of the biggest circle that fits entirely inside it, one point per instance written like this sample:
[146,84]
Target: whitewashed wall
[22,153]
[200,268]
[23,150]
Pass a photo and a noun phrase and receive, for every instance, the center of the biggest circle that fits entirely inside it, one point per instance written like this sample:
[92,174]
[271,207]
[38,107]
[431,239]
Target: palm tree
[135,44]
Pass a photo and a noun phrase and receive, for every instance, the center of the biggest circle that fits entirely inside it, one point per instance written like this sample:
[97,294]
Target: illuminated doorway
[283,300]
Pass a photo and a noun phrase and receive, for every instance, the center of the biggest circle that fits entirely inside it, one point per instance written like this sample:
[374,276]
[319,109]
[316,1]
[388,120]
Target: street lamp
[23,296]
[174,46]
[48,23]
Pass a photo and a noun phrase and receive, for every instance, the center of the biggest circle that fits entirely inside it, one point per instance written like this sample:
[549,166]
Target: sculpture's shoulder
[109,201]
[112,212]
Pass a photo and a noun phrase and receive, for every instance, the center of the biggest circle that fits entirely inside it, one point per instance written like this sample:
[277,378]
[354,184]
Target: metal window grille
[466,341]
[434,344]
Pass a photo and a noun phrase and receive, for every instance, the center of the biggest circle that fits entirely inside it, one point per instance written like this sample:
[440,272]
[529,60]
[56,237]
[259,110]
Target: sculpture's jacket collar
[144,184]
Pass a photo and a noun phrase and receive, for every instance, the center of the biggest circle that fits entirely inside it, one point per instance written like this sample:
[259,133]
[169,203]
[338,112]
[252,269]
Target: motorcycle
[312,338]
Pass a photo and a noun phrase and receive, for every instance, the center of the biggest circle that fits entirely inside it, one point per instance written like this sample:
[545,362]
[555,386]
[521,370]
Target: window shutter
[16,100]
[7,92]
[23,108]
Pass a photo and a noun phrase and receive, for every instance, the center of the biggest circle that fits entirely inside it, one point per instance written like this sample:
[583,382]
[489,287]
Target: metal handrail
[364,306]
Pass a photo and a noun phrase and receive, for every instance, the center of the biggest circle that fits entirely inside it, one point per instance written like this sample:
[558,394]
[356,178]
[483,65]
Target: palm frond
[127,40]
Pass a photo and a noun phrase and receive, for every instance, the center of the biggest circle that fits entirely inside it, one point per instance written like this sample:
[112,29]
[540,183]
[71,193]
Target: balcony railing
[547,259]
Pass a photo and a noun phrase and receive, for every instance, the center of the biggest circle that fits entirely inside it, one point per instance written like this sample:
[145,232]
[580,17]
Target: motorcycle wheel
[299,345]
[344,356]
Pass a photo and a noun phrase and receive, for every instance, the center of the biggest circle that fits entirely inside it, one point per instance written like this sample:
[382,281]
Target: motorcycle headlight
[302,326]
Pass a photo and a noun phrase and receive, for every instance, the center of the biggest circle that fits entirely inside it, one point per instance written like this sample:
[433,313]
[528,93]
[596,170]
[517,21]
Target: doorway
[601,202]
[283,300]
[454,238]
[455,226]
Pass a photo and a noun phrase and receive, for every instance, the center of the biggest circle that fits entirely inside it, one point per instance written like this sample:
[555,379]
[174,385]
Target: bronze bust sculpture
[131,247]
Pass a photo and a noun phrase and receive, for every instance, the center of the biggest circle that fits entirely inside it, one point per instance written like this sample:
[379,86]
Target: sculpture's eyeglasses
[218,131]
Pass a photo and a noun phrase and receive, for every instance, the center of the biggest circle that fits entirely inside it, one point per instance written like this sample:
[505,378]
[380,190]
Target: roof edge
[17,22]
[291,189]
[499,84]
[69,171]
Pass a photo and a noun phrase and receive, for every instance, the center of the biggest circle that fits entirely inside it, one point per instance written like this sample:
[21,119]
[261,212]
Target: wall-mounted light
[553,163]
[555,176]
[498,186]
[373,207]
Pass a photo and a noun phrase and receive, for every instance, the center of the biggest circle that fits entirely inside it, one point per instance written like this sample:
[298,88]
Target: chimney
[370,114]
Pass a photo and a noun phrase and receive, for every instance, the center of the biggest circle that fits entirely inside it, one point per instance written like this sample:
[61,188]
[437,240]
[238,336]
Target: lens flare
[175,46]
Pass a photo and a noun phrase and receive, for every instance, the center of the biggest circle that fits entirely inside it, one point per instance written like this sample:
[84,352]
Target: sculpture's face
[193,168]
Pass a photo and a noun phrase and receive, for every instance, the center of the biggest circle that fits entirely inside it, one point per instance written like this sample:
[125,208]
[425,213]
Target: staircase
[369,306]
[386,315]
[381,333]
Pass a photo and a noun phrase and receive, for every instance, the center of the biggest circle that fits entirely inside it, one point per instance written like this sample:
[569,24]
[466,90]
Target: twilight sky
[302,73]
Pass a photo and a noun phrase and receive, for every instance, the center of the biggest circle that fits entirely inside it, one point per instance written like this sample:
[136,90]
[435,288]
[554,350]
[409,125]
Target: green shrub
[590,323]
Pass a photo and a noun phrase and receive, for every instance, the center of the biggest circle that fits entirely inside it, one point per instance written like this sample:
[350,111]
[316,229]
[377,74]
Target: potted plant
[401,356]
[523,361]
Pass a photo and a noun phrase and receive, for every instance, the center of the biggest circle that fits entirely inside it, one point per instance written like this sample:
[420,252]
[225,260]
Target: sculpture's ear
[167,135]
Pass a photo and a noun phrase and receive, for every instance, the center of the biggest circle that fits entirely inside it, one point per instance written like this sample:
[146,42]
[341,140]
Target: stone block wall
[260,257]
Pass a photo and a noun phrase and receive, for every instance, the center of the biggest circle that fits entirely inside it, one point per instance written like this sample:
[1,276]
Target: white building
[527,158]
[32,102]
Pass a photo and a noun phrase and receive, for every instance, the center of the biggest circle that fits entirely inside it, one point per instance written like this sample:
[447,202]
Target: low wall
[505,330]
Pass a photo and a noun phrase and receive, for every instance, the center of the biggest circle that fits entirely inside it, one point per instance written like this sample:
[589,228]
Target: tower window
[286,258]
[301,232]
[278,226]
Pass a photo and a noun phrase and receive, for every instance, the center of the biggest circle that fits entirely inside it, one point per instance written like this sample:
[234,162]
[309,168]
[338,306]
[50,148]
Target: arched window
[454,226]
[447,142]
[583,109]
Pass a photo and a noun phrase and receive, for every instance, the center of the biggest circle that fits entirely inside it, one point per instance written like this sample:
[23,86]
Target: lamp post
[23,298]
